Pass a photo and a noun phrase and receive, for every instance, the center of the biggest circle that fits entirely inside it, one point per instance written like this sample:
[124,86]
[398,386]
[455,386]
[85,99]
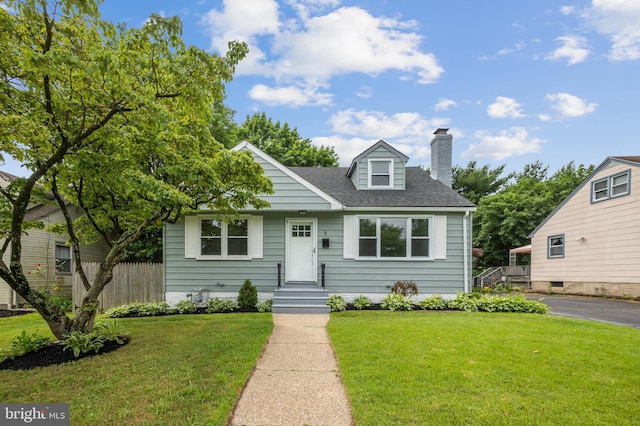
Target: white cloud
[569,105]
[444,104]
[620,21]
[241,20]
[401,127]
[346,148]
[567,10]
[505,144]
[364,92]
[574,48]
[505,107]
[350,40]
[516,48]
[311,47]
[544,117]
[291,96]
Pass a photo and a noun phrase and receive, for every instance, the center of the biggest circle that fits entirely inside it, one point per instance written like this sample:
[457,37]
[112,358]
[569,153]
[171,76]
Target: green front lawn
[177,370]
[458,368]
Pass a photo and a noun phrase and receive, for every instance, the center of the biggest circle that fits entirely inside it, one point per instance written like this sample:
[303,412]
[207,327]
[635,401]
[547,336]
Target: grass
[183,369]
[453,368]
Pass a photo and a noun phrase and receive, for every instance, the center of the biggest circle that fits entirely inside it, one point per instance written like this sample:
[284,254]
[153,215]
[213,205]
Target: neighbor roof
[421,190]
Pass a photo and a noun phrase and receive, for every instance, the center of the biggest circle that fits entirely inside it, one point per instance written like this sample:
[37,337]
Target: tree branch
[70,231]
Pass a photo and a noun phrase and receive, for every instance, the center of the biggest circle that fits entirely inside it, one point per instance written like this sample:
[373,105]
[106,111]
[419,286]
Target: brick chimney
[441,147]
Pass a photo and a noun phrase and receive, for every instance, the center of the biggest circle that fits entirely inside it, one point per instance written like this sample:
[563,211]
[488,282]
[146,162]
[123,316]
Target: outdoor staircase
[300,298]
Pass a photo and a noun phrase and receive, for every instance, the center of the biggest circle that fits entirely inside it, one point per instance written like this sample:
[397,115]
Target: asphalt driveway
[612,311]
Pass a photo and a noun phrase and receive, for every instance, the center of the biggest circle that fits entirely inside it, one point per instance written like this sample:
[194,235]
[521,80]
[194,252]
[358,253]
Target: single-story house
[590,243]
[349,231]
[46,258]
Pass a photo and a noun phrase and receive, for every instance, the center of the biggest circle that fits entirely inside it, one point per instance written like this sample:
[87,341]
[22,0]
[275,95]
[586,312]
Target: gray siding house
[338,230]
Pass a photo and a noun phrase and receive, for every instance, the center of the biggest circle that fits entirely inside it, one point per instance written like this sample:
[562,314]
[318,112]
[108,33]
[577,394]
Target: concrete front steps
[300,298]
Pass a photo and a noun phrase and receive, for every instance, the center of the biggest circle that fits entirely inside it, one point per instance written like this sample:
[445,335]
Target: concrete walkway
[296,380]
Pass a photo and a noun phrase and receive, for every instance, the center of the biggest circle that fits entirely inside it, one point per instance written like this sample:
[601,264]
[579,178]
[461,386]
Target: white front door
[301,250]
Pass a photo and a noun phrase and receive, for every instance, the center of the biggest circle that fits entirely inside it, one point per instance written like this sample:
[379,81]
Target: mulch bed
[4,313]
[54,354]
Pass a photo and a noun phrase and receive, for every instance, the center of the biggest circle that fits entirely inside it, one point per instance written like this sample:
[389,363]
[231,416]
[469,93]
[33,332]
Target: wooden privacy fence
[132,282]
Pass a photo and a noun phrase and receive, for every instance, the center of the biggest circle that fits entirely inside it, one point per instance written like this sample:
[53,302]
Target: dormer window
[381,173]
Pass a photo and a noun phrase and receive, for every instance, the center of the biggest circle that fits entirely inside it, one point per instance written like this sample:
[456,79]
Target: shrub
[465,302]
[361,302]
[216,305]
[248,296]
[405,288]
[265,306]
[153,309]
[186,307]
[83,342]
[433,303]
[22,344]
[397,302]
[139,309]
[63,302]
[111,330]
[471,302]
[336,303]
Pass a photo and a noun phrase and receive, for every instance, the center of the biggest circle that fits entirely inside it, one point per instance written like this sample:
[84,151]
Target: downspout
[465,256]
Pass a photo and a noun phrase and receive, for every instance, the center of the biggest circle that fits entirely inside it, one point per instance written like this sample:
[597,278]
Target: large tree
[284,143]
[505,219]
[115,121]
[473,183]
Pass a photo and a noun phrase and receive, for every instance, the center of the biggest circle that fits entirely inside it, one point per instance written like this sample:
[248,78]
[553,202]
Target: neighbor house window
[610,187]
[63,259]
[394,237]
[555,245]
[224,239]
[380,173]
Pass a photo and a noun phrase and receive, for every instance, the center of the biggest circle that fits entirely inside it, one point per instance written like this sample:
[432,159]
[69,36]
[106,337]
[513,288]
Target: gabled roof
[630,160]
[421,190]
[335,205]
[333,185]
[38,210]
[372,148]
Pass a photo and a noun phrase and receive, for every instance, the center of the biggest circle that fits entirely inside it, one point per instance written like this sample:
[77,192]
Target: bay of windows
[610,187]
[394,237]
[224,239]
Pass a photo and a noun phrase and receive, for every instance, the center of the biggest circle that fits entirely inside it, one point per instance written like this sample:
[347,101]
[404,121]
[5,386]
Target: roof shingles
[420,189]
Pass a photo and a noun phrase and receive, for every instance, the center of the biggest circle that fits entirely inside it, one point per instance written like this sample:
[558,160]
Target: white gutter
[465,239]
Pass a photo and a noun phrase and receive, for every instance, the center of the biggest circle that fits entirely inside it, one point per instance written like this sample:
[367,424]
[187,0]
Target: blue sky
[515,81]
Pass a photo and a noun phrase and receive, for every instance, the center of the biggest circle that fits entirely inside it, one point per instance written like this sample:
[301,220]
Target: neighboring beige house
[49,250]
[590,244]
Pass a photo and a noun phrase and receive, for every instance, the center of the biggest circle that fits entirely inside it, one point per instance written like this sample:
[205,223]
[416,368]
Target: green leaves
[285,144]
[116,121]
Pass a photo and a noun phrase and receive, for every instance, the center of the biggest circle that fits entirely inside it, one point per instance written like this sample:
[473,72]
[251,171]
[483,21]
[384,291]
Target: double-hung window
[394,237]
[380,173]
[610,187]
[555,246]
[224,239]
[63,259]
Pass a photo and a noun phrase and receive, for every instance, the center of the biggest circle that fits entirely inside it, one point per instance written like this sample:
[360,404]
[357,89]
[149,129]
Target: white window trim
[564,242]
[224,237]
[55,258]
[370,173]
[609,189]
[432,245]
